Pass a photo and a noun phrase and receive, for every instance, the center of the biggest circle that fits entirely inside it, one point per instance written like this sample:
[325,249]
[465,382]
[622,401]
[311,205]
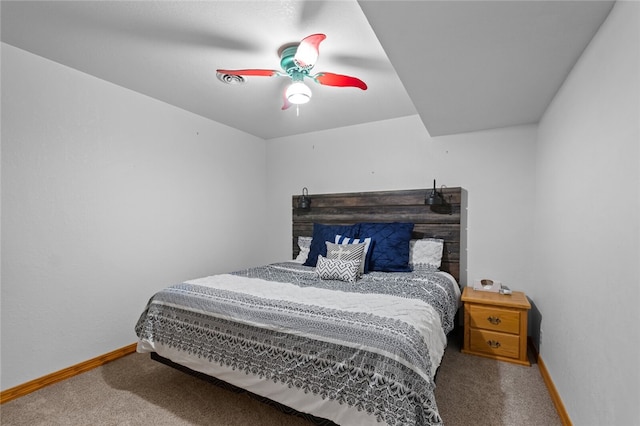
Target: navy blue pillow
[323,233]
[390,251]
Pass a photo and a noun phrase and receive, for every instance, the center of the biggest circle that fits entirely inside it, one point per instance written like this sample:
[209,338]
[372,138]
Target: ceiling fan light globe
[298,93]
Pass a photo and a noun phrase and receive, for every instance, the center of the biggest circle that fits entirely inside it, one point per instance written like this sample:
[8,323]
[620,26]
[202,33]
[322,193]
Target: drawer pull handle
[494,320]
[493,344]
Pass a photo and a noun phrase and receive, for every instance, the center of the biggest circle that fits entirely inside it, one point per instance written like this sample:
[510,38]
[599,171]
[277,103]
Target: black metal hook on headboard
[304,202]
[437,201]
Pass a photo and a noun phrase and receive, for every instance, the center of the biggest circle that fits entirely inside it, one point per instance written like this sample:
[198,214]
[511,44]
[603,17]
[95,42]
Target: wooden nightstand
[495,325]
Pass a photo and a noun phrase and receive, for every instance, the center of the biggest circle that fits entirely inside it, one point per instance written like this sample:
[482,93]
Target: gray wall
[587,228]
[107,196]
[495,167]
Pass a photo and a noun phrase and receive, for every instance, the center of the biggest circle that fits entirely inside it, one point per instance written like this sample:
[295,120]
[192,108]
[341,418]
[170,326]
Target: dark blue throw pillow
[323,233]
[390,251]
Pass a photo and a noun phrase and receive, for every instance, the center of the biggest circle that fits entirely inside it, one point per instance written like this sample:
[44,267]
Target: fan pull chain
[297,110]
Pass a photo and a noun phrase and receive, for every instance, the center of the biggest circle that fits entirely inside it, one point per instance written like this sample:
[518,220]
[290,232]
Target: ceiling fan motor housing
[288,63]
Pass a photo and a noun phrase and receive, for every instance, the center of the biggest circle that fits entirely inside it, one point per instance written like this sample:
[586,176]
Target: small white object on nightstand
[492,286]
[505,290]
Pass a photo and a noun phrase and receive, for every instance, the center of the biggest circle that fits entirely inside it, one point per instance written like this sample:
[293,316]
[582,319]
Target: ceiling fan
[297,60]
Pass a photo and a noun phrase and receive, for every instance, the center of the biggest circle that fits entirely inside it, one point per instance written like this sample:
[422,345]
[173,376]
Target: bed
[350,331]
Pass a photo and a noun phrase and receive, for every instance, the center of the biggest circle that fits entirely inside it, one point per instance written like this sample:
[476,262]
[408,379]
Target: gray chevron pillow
[337,269]
[347,252]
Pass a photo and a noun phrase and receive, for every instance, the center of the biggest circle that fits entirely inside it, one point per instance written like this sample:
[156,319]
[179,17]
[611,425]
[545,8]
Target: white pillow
[426,252]
[305,244]
[337,269]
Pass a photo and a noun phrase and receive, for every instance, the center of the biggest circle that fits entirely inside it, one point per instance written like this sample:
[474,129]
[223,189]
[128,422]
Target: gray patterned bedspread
[367,351]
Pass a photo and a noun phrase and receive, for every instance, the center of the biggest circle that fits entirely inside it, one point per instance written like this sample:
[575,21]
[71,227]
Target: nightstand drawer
[494,343]
[497,319]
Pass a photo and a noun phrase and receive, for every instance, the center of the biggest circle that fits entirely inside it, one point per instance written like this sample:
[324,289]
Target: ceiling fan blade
[308,50]
[250,72]
[339,80]
[286,104]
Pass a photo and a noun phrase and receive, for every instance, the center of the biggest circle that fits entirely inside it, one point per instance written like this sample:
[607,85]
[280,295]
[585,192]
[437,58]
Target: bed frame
[318,421]
[441,221]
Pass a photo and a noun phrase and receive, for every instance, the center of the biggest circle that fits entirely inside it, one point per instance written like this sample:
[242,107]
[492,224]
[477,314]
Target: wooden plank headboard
[387,206]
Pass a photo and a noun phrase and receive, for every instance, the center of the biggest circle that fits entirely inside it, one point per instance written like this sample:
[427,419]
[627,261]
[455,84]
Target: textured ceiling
[464,65]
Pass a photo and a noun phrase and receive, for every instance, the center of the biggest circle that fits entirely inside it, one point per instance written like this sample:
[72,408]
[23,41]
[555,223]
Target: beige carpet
[135,390]
[472,390]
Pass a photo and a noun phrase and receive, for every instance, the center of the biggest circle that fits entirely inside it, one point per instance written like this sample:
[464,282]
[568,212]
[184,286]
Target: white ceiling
[474,65]
[464,65]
